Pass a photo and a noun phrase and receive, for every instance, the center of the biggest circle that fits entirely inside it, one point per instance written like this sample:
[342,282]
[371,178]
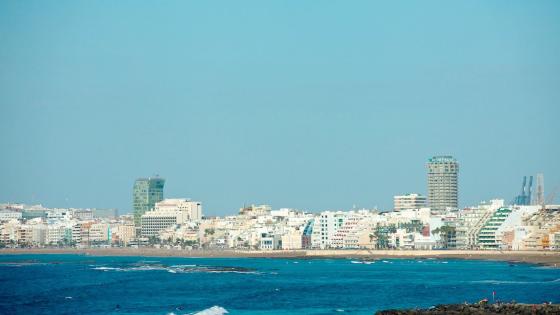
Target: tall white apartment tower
[443,188]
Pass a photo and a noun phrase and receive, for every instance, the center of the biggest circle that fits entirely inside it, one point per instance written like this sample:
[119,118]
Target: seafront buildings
[415,222]
[179,223]
[443,189]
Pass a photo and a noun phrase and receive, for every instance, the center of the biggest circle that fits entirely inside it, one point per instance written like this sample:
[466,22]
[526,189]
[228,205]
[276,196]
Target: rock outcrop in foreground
[506,308]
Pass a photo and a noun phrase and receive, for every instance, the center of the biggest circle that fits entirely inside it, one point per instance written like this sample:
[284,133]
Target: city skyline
[340,107]
[147,191]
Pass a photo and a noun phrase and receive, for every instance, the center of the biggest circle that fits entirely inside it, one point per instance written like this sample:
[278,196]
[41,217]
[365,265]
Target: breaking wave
[515,282]
[214,310]
[179,269]
[365,262]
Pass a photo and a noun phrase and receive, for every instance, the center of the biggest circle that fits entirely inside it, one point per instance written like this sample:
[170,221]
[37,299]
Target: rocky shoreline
[480,309]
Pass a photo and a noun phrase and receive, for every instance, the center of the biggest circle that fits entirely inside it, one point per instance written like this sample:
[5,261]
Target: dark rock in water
[481,309]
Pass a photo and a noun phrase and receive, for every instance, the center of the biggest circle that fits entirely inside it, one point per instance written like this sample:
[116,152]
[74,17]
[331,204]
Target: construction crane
[524,198]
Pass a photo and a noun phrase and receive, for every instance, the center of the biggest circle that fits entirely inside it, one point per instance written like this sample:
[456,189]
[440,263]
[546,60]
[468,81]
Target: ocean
[79,284]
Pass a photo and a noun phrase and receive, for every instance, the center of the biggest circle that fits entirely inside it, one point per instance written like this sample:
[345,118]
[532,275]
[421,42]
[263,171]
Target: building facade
[145,193]
[443,189]
[409,201]
[167,213]
[488,236]
[472,220]
[192,209]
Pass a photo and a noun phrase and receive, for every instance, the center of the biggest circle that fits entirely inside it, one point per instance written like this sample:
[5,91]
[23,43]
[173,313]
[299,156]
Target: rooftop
[442,159]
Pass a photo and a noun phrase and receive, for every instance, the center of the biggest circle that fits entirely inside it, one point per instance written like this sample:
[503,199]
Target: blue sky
[308,104]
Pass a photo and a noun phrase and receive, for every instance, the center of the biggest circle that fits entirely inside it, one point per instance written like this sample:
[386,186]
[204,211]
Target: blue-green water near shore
[78,284]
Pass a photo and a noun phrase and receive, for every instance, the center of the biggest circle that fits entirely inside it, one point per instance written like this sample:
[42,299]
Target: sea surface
[80,284]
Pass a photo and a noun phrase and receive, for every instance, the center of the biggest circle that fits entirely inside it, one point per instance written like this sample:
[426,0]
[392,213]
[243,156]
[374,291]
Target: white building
[270,242]
[325,227]
[58,233]
[362,235]
[100,232]
[83,214]
[124,233]
[169,212]
[471,220]
[6,215]
[9,230]
[350,223]
[292,239]
[59,214]
[254,210]
[190,210]
[409,201]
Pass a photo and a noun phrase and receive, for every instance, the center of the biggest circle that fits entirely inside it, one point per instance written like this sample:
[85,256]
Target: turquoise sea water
[78,284]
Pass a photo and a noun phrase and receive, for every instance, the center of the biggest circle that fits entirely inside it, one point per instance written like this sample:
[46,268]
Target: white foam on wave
[137,268]
[146,268]
[232,271]
[214,310]
[514,282]
[107,268]
[175,269]
[544,267]
[362,262]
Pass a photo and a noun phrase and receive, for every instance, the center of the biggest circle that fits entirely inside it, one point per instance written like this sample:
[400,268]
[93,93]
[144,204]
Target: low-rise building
[124,233]
[270,242]
[6,215]
[292,239]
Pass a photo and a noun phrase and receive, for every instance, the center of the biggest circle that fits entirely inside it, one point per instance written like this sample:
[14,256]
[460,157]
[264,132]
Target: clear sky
[314,105]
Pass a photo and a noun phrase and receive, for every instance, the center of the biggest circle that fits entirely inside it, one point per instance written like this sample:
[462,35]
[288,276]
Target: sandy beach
[548,258]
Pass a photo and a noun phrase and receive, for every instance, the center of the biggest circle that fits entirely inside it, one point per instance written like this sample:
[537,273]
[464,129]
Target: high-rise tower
[443,189]
[145,193]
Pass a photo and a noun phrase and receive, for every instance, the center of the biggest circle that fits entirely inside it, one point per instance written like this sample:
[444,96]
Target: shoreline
[544,258]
